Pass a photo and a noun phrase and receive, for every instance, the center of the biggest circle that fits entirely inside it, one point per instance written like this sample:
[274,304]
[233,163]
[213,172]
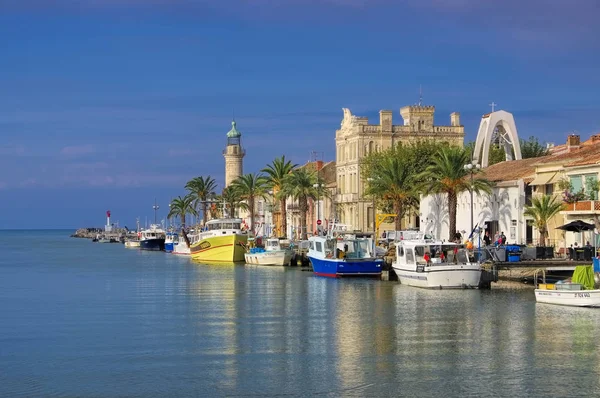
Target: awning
[557,177]
[542,179]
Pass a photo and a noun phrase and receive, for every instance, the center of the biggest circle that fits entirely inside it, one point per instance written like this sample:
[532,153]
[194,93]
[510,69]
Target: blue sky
[107,104]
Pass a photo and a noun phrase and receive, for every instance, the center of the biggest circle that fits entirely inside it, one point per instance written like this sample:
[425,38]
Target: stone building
[356,138]
[233,154]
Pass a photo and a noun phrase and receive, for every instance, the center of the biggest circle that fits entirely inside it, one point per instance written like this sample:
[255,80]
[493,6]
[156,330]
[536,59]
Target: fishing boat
[429,263]
[171,239]
[579,291]
[271,254]
[222,241]
[153,238]
[343,256]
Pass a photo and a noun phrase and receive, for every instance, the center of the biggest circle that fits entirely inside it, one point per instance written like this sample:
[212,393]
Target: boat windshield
[442,253]
[355,248]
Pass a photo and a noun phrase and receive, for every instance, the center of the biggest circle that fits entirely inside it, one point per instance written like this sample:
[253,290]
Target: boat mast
[155,207]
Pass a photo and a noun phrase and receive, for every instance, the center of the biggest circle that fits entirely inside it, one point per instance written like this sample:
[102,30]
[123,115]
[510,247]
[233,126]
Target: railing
[583,205]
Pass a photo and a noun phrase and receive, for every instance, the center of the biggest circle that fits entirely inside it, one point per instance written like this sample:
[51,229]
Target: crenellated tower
[233,154]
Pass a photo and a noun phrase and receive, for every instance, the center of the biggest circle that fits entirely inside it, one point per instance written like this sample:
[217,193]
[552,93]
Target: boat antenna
[155,207]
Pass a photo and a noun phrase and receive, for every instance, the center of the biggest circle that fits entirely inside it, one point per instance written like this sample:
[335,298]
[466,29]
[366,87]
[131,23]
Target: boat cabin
[154,232]
[431,253]
[272,245]
[222,226]
[323,247]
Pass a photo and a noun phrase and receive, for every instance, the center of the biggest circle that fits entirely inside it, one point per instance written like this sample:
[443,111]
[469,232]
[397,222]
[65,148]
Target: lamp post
[374,211]
[472,169]
[155,207]
[318,186]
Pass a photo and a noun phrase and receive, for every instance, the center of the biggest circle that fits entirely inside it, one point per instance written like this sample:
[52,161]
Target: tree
[181,207]
[299,184]
[447,175]
[250,187]
[202,188]
[231,199]
[393,179]
[532,148]
[542,209]
[392,175]
[496,153]
[276,173]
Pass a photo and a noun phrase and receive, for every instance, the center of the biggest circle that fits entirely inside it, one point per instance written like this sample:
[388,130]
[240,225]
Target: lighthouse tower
[234,155]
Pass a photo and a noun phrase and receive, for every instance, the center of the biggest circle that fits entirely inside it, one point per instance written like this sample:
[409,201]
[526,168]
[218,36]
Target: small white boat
[272,254]
[435,264]
[579,292]
[132,244]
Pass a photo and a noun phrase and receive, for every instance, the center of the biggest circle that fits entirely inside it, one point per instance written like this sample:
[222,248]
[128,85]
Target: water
[97,320]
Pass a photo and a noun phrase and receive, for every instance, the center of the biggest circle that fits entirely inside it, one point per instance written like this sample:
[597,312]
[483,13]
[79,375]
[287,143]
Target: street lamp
[318,186]
[155,208]
[472,169]
[374,211]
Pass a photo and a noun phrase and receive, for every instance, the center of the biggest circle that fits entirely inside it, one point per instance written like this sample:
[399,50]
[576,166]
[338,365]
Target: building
[234,155]
[574,164]
[356,138]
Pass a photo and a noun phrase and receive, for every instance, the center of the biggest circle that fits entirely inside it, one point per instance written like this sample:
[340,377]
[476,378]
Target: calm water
[97,320]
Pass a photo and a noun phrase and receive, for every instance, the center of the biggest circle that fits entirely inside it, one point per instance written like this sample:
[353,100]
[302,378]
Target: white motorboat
[434,264]
[272,254]
[132,244]
[578,292]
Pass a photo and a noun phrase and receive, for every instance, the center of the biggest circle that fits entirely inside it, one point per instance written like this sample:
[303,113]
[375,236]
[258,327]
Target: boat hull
[152,244]
[339,267]
[441,277]
[181,249]
[279,257]
[169,247]
[220,249]
[132,244]
[572,298]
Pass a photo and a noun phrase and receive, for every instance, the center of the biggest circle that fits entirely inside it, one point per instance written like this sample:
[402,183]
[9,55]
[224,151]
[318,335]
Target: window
[549,189]
[410,258]
[586,184]
[319,246]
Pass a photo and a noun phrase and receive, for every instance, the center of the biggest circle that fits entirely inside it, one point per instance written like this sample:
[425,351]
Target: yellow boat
[223,241]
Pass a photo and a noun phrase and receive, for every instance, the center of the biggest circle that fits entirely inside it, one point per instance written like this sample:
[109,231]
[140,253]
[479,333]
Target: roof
[233,133]
[588,153]
[327,171]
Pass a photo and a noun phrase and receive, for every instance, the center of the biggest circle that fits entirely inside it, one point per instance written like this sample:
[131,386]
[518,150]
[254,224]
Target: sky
[109,104]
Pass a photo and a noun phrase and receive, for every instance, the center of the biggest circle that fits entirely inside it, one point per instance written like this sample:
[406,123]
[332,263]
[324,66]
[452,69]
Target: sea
[84,319]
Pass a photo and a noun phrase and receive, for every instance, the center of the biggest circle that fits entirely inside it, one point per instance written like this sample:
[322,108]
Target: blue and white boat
[343,256]
[171,239]
[153,238]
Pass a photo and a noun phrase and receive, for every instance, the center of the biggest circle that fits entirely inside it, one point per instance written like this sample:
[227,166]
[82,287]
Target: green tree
[447,175]
[542,209]
[299,184]
[181,207]
[231,199]
[532,148]
[496,153]
[392,175]
[202,188]
[275,174]
[250,187]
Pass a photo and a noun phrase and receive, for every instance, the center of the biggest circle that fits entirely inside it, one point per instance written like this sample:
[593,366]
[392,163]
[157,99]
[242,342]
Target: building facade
[516,183]
[356,138]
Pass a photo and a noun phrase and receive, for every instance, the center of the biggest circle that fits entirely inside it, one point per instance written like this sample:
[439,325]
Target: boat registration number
[420,268]
[582,295]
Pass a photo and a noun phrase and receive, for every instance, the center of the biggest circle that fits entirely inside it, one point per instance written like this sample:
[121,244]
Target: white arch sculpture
[505,122]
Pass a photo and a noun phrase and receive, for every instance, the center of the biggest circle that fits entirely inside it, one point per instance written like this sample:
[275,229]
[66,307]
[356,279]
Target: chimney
[319,165]
[455,119]
[385,120]
[595,138]
[573,141]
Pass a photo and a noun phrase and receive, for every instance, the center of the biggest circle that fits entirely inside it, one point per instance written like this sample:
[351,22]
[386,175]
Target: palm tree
[299,184]
[447,175]
[393,179]
[231,199]
[182,207]
[250,187]
[202,188]
[276,173]
[542,209]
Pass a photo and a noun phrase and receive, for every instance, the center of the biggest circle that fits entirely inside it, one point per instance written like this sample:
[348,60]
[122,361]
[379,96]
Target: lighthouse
[108,227]
[233,154]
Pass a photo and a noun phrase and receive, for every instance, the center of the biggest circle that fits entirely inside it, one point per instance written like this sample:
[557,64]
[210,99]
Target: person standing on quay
[487,239]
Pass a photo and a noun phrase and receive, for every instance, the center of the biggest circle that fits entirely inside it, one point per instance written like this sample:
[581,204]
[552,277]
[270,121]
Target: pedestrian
[503,238]
[486,238]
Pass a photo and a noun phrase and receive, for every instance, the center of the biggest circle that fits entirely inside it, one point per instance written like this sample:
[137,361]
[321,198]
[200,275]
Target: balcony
[346,198]
[582,207]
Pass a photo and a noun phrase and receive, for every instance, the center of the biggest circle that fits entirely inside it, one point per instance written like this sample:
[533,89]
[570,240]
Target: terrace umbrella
[577,226]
